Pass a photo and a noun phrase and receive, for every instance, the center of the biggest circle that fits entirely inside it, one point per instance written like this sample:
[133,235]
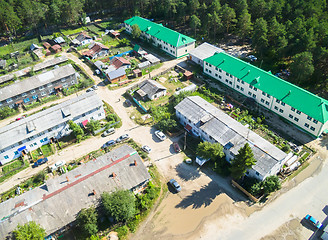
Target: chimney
[135,162]
[94,192]
[67,179]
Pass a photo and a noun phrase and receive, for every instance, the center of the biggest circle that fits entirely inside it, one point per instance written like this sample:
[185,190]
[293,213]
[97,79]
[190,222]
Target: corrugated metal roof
[158,30]
[61,209]
[225,129]
[35,82]
[205,50]
[44,120]
[150,87]
[116,73]
[300,99]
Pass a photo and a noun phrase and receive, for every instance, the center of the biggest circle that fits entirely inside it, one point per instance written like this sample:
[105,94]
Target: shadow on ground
[202,198]
[187,172]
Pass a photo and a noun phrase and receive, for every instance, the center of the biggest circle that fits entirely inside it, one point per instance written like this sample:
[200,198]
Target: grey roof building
[151,89]
[116,75]
[36,130]
[210,123]
[37,86]
[152,59]
[57,203]
[202,52]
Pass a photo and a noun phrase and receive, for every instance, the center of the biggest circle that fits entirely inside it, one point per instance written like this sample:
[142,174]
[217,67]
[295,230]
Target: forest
[289,34]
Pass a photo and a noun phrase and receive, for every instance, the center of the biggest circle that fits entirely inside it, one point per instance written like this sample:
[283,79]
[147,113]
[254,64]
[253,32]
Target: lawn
[95,29]
[23,44]
[71,31]
[13,165]
[44,151]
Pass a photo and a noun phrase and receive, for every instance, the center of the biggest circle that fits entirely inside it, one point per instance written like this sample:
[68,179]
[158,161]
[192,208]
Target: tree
[216,22]
[93,125]
[228,16]
[8,18]
[29,231]
[276,37]
[260,38]
[209,150]
[244,24]
[302,67]
[243,160]
[77,130]
[87,221]
[136,32]
[166,124]
[194,22]
[271,184]
[120,205]
[193,6]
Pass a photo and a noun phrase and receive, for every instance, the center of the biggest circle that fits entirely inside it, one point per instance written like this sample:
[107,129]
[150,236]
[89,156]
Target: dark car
[176,147]
[122,138]
[175,185]
[109,143]
[40,162]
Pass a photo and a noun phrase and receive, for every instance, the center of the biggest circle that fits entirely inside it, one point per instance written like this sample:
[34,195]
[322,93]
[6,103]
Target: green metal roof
[300,99]
[158,30]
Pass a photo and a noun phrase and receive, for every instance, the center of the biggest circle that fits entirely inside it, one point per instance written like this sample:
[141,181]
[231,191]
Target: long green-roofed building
[168,40]
[300,107]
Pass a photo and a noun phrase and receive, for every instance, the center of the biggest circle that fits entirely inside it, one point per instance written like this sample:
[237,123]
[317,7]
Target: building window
[306,125]
[242,88]
[16,152]
[24,94]
[206,64]
[315,121]
[280,110]
[63,80]
[6,157]
[237,86]
[9,100]
[238,80]
[255,89]
[263,93]
[254,96]
[227,74]
[250,86]
[216,74]
[277,101]
[276,108]
[72,82]
[216,68]
[293,109]
[296,119]
[230,82]
[227,81]
[249,93]
[43,94]
[312,128]
[242,82]
[26,100]
[206,69]
[267,103]
[220,77]
[49,85]
[210,65]
[32,91]
[257,173]
[282,103]
[298,112]
[268,96]
[41,88]
[309,118]
[209,71]
[35,97]
[262,100]
[220,70]
[291,116]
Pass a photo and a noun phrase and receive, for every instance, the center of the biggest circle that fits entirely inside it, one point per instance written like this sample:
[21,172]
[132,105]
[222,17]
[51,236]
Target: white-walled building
[203,51]
[168,40]
[204,120]
[300,107]
[38,129]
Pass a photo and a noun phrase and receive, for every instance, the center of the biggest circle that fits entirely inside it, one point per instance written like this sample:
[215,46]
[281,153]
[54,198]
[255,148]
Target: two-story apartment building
[204,120]
[168,40]
[300,107]
[39,86]
[38,129]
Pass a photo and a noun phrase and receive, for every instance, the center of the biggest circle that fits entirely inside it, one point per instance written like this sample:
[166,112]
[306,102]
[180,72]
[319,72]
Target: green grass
[15,164]
[21,45]
[95,29]
[3,178]
[152,68]
[71,31]
[47,150]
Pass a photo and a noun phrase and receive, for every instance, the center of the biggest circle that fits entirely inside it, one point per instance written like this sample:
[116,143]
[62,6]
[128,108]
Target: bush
[122,232]
[286,148]
[134,223]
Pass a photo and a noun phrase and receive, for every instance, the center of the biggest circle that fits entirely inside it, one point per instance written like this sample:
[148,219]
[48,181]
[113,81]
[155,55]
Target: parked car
[252,58]
[313,221]
[128,103]
[89,90]
[146,148]
[40,162]
[95,87]
[160,135]
[108,132]
[60,163]
[109,143]
[175,185]
[122,138]
[176,147]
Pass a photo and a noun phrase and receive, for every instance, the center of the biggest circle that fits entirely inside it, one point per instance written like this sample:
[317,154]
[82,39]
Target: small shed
[152,59]
[3,63]
[114,33]
[187,75]
[152,89]
[56,48]
[46,45]
[59,40]
[144,65]
[137,73]
[48,52]
[117,75]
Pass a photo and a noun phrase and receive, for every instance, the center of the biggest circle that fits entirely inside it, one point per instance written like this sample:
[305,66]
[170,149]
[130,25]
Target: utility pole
[185,141]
